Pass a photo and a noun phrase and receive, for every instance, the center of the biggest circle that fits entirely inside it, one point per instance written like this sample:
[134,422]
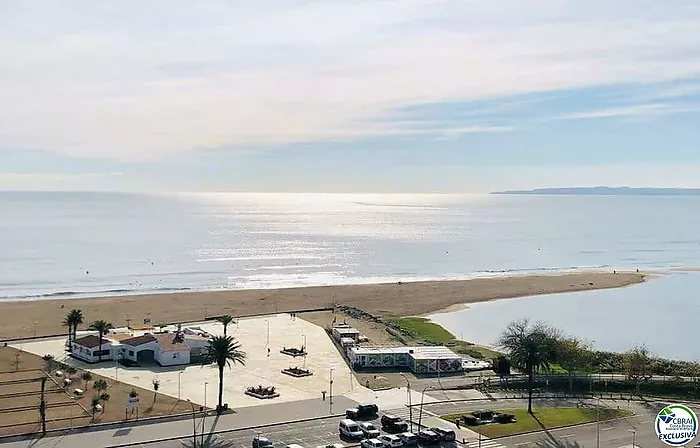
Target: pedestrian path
[485,443]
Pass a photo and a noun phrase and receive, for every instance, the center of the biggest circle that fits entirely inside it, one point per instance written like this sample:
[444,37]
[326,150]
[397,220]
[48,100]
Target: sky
[348,95]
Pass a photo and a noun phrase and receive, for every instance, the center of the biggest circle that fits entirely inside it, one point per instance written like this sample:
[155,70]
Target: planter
[293,351]
[296,372]
[263,393]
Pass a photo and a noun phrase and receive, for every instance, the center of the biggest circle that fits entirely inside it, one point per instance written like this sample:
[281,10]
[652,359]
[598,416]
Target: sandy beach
[30,318]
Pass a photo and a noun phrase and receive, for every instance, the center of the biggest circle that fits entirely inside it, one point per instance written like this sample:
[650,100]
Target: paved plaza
[256,335]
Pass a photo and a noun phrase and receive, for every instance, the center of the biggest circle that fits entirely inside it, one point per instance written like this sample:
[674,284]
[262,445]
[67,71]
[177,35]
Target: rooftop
[90,341]
[139,340]
[419,352]
[169,343]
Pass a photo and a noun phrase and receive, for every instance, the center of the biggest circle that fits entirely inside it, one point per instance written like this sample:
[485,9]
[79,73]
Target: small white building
[86,348]
[342,332]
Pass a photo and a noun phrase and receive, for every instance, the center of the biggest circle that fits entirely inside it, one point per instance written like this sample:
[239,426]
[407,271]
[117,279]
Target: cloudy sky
[348,95]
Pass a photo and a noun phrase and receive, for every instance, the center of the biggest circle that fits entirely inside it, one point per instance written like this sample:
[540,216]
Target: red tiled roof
[139,340]
[167,342]
[90,341]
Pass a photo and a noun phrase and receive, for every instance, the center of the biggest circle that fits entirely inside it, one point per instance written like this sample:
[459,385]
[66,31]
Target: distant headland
[608,191]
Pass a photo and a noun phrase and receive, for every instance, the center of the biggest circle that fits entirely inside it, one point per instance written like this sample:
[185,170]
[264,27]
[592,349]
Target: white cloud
[140,80]
[638,110]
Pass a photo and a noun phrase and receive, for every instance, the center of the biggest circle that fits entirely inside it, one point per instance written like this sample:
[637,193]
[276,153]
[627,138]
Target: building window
[131,353]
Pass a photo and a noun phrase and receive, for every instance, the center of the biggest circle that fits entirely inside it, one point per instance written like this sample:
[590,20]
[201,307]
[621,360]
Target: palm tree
[530,348]
[94,403]
[70,371]
[100,386]
[104,396]
[86,376]
[225,321]
[102,328]
[156,386]
[72,320]
[210,442]
[223,351]
[48,362]
[551,442]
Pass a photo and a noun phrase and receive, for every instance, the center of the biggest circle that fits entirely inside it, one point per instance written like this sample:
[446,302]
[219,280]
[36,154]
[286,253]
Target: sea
[60,244]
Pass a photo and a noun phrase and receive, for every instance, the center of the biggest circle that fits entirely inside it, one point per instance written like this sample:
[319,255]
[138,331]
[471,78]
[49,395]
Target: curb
[224,431]
[575,425]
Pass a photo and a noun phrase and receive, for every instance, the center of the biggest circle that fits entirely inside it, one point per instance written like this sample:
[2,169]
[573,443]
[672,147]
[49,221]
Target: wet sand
[44,317]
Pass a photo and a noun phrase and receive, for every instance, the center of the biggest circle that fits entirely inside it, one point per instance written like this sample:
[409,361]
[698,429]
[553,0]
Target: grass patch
[544,418]
[420,328]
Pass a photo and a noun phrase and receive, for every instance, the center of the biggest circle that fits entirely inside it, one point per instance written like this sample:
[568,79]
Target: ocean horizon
[62,244]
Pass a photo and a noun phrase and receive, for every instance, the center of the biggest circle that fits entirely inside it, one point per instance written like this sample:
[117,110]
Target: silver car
[391,441]
[369,430]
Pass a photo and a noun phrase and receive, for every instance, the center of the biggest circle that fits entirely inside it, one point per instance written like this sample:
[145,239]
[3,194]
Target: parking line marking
[568,435]
[522,443]
[607,429]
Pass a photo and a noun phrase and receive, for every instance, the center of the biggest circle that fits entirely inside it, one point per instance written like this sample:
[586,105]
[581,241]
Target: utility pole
[410,407]
[330,393]
[597,435]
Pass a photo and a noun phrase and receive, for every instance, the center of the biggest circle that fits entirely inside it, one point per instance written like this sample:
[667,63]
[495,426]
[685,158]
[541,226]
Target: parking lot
[307,434]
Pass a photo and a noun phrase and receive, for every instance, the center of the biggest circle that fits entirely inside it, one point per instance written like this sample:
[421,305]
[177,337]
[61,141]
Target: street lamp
[194,424]
[597,435]
[410,407]
[179,380]
[330,391]
[420,412]
[634,437]
[204,414]
[116,366]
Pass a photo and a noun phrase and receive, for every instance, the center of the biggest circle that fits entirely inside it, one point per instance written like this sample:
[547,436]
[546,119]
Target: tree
[133,393]
[210,442]
[551,442]
[86,376]
[102,328]
[530,348]
[638,365]
[104,397]
[572,354]
[100,386]
[156,386]
[94,403]
[49,362]
[42,406]
[70,371]
[225,321]
[223,351]
[72,320]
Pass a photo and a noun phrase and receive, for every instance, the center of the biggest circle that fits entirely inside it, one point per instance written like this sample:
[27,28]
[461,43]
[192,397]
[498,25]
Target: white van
[293,445]
[348,428]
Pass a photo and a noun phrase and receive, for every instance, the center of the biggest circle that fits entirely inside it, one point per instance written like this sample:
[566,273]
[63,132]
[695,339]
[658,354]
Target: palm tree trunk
[530,384]
[220,407]
[42,406]
[225,325]
[70,337]
[99,357]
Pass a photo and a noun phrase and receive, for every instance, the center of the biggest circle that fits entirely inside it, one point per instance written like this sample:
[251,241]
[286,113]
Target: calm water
[661,314]
[95,243]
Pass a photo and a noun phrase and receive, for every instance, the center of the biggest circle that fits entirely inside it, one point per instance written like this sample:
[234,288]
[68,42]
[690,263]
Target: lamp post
[204,414]
[268,332]
[179,381]
[410,407]
[330,392]
[116,366]
[597,431]
[420,412]
[634,437]
[194,424]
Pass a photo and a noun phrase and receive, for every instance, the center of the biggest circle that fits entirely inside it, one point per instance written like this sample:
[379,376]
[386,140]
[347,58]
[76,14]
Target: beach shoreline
[32,318]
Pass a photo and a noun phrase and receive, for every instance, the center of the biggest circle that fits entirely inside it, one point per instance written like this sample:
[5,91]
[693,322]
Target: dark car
[362,411]
[262,442]
[446,434]
[427,437]
[392,423]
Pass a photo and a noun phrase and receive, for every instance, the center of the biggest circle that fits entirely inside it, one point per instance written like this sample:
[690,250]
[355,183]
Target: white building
[165,349]
[87,348]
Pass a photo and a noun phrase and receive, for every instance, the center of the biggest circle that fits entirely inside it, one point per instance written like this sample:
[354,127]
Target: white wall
[173,358]
[86,353]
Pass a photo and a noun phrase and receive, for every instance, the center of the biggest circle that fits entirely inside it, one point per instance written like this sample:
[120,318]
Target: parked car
[350,429]
[362,411]
[446,434]
[332,445]
[392,423]
[369,430]
[293,445]
[262,442]
[408,438]
[391,441]
[372,443]
[427,437]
